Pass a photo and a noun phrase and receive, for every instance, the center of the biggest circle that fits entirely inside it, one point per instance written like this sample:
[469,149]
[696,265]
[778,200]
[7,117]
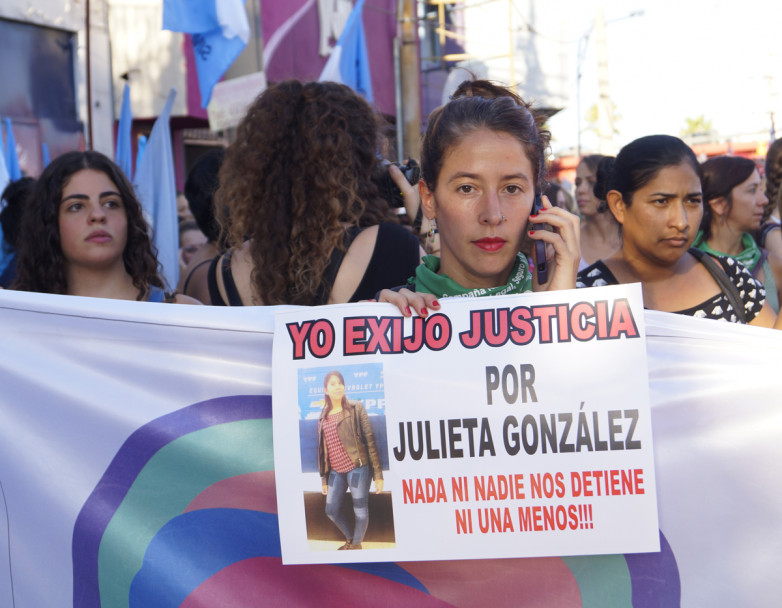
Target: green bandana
[427,280]
[749,257]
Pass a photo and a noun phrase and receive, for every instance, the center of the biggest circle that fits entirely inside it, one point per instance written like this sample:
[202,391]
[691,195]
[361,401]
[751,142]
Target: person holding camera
[307,224]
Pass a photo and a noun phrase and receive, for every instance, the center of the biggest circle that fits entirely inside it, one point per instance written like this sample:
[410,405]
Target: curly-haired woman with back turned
[307,225]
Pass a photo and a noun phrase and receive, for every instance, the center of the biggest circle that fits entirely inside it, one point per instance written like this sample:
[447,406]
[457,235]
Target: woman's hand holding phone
[565,238]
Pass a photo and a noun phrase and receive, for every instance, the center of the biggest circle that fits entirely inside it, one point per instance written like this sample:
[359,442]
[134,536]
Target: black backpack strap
[726,285]
[335,261]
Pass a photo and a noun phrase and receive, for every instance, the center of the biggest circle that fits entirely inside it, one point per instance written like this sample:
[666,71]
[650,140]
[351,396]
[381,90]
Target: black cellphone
[540,247]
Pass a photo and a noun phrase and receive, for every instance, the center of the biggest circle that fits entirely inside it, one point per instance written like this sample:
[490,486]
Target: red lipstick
[490,243]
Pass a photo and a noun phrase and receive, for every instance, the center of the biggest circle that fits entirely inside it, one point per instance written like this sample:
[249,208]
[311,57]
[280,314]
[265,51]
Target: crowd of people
[294,211]
[297,211]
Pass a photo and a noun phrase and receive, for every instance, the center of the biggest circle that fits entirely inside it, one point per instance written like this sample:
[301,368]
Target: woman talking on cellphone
[482,167]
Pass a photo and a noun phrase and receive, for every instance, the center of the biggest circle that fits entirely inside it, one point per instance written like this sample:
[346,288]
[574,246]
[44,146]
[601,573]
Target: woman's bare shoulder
[183,299]
[242,267]
[354,265]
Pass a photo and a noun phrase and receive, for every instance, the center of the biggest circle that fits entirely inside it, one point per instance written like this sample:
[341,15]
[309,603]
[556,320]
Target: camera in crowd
[389,191]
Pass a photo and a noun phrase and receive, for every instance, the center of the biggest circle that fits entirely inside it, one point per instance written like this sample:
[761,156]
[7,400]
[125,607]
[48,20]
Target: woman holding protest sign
[653,189]
[347,458]
[483,171]
[83,233]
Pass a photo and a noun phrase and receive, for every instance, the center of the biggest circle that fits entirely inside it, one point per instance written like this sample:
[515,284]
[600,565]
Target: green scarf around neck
[427,280]
[750,256]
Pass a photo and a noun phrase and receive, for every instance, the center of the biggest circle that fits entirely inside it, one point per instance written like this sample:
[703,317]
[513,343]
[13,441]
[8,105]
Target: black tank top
[393,261]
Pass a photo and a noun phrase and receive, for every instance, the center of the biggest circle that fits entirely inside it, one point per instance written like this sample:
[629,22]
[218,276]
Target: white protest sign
[512,426]
[231,98]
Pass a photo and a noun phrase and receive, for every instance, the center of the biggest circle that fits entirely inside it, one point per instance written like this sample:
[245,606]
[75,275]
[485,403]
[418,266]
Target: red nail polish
[435,303]
[533,215]
[532,232]
[424,312]
[407,311]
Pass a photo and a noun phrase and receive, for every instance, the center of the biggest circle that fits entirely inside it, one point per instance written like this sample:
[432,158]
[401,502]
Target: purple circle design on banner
[230,561]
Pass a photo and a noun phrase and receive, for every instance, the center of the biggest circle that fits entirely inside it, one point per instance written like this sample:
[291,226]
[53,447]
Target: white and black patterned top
[751,291]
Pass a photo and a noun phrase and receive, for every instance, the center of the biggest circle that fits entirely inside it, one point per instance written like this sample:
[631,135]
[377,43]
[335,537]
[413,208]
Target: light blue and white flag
[219,30]
[123,156]
[11,156]
[155,185]
[349,61]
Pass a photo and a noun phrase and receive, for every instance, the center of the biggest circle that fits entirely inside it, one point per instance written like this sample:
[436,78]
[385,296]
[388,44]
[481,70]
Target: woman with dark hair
[200,187]
[483,165]
[653,189]
[307,224]
[347,457]
[599,231]
[15,196]
[488,90]
[735,205]
[83,234]
[769,235]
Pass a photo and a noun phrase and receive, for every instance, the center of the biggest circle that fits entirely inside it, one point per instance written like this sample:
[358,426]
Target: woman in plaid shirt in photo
[347,457]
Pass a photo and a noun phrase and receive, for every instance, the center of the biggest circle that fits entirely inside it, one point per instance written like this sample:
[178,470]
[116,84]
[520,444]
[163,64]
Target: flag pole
[400,131]
[410,80]
[88,67]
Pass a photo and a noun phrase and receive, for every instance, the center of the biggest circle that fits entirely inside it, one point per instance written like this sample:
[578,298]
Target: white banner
[494,437]
[136,470]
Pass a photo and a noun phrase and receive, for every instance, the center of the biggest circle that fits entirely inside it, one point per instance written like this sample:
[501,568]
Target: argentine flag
[219,30]
[349,62]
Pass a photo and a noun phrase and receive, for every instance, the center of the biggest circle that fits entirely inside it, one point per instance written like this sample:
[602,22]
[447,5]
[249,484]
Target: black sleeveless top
[741,296]
[393,260]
